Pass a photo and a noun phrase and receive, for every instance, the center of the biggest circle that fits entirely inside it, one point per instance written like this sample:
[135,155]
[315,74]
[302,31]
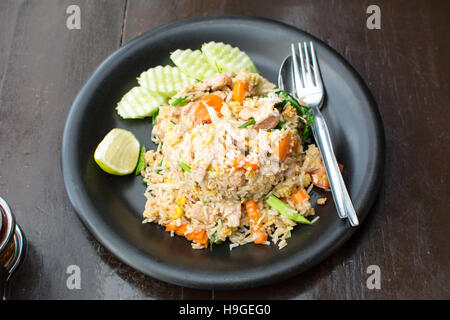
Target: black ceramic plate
[111,206]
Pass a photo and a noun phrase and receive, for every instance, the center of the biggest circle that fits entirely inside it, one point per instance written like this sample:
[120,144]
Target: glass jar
[12,246]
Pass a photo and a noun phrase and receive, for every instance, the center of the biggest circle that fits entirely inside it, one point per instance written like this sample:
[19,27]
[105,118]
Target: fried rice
[221,151]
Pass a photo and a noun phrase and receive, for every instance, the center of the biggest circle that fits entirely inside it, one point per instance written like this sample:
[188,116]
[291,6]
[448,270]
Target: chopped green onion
[141,161]
[280,124]
[280,105]
[179,102]
[173,122]
[248,123]
[154,116]
[159,170]
[286,210]
[214,241]
[184,166]
[211,241]
[305,112]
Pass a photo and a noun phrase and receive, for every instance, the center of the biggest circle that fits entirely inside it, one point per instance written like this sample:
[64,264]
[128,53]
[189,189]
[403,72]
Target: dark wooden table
[405,64]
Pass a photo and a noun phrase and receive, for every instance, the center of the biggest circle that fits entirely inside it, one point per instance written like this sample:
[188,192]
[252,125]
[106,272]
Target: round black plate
[111,206]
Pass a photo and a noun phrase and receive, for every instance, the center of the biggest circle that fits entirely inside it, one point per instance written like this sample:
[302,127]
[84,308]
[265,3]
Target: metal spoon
[286,82]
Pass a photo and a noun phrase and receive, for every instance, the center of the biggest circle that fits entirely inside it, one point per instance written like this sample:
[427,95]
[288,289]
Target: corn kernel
[235,107]
[181,201]
[167,180]
[178,213]
[198,191]
[284,191]
[306,180]
[218,169]
[149,157]
[211,137]
[172,137]
[289,111]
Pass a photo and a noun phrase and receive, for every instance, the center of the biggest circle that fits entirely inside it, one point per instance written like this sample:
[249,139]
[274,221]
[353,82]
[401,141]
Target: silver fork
[309,87]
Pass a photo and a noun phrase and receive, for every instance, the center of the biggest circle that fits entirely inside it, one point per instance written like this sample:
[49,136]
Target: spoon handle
[339,191]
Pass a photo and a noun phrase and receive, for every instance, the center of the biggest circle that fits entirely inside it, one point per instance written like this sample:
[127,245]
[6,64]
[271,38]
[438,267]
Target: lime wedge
[118,152]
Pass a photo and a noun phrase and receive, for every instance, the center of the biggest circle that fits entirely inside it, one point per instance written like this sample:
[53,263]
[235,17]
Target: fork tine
[297,80]
[307,63]
[317,77]
[302,62]
[280,81]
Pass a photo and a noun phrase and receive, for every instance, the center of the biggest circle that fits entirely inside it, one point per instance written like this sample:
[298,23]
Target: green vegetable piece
[193,63]
[286,210]
[211,241]
[139,103]
[179,102]
[159,165]
[305,112]
[141,161]
[167,80]
[154,116]
[248,123]
[184,166]
[227,58]
[280,124]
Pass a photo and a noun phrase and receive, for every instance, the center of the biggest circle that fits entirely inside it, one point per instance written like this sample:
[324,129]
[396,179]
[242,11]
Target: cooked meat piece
[160,128]
[232,212]
[216,82]
[198,212]
[268,117]
[246,113]
[199,170]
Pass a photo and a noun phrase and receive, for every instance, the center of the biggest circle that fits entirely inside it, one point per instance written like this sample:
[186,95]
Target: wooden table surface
[405,64]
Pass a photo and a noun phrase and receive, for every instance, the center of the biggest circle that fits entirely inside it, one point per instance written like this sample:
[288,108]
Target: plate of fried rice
[231,191]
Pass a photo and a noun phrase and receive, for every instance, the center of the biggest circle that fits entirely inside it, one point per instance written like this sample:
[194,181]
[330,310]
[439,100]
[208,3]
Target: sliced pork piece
[246,113]
[267,117]
[232,213]
[219,81]
[199,170]
[200,213]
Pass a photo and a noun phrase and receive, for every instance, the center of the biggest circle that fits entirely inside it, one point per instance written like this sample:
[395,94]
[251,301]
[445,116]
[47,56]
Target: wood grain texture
[405,65]
[46,66]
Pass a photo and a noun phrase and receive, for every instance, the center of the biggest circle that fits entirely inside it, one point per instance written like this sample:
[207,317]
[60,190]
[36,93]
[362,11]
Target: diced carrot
[319,176]
[299,197]
[285,146]
[198,237]
[259,237]
[201,237]
[202,114]
[190,236]
[240,162]
[251,165]
[181,229]
[256,229]
[171,226]
[239,89]
[214,101]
